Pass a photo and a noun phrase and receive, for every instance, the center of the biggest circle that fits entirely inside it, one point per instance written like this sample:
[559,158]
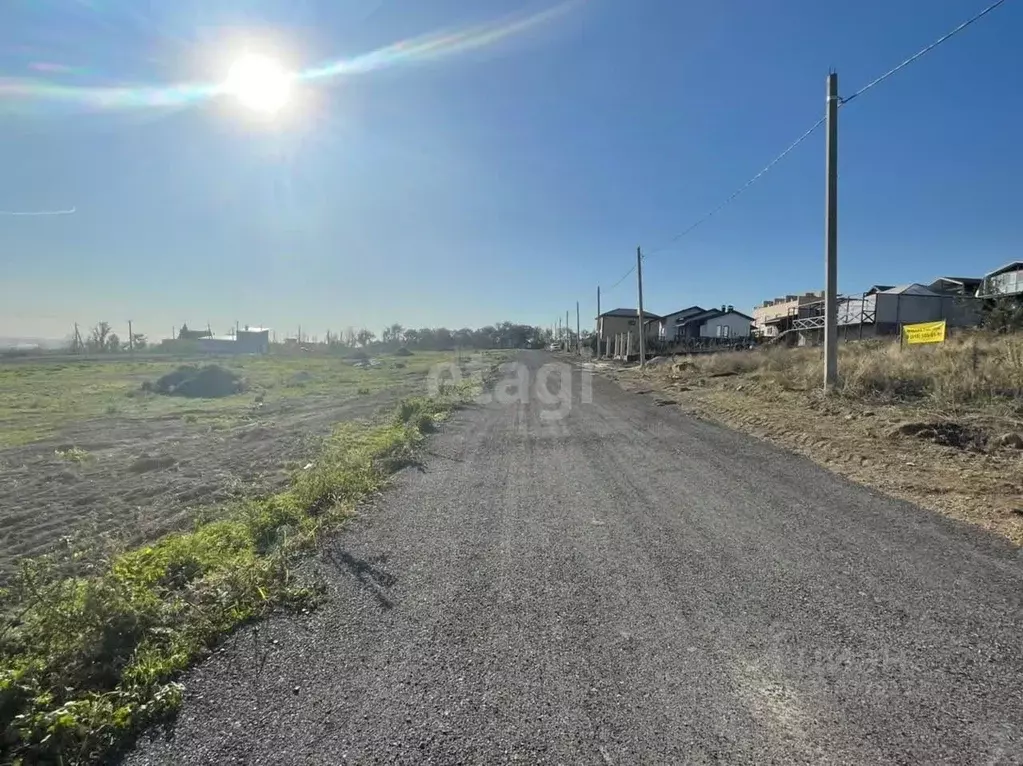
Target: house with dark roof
[964,286]
[724,322]
[667,325]
[616,321]
[697,322]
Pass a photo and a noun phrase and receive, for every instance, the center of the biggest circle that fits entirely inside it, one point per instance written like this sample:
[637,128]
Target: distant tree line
[501,335]
[102,339]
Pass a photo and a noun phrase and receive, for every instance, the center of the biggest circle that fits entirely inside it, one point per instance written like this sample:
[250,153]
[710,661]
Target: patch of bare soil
[134,479]
[964,464]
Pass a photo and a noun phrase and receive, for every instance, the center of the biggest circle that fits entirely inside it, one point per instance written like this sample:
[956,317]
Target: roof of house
[683,313]
[910,289]
[629,314]
[964,281]
[878,289]
[705,316]
[1010,266]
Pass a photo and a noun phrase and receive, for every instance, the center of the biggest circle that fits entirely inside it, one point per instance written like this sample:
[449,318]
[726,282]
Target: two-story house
[616,321]
[1003,282]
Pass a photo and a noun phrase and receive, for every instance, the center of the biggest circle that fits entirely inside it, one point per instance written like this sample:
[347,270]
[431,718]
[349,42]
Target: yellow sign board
[924,332]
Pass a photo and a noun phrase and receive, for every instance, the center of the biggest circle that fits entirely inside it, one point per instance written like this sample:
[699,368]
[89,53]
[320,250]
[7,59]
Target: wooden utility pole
[131,340]
[578,333]
[597,333]
[831,237]
[642,334]
[568,334]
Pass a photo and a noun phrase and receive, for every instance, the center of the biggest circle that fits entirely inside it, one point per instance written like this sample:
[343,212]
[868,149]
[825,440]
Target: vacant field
[85,452]
[94,638]
[941,426]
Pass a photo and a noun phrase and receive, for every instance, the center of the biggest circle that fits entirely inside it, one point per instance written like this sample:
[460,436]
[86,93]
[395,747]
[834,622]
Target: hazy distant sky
[501,180]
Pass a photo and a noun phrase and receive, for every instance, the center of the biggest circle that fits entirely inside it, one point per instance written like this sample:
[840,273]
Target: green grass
[91,649]
[38,399]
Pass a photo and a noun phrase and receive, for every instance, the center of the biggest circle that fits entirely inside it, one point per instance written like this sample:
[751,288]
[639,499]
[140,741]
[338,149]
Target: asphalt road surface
[624,585]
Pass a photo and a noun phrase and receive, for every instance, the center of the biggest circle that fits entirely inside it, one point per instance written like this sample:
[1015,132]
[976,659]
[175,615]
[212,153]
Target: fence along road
[626,585]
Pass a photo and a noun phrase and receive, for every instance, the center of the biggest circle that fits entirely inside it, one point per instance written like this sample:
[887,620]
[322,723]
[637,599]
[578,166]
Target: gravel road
[624,585]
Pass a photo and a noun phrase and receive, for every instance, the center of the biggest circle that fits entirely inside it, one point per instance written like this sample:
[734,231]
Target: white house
[1004,281]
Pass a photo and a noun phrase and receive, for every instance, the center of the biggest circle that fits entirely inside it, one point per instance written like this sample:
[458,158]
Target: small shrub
[410,409]
[75,455]
[363,391]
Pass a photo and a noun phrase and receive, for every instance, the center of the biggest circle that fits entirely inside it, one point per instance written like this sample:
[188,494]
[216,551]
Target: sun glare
[260,83]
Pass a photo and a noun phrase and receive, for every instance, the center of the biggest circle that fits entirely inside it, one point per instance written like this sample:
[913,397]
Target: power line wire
[731,198]
[728,201]
[816,125]
[624,277]
[922,52]
[842,102]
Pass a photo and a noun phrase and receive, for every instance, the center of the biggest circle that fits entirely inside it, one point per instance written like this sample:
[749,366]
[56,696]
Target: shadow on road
[369,575]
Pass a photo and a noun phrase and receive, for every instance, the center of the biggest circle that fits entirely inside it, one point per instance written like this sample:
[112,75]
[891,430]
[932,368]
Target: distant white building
[254,340]
[250,340]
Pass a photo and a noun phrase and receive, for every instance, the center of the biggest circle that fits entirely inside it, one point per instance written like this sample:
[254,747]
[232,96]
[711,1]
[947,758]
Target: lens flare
[437,45]
[259,83]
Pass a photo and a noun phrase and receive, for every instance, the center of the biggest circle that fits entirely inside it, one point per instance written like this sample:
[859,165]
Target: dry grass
[941,425]
[968,370]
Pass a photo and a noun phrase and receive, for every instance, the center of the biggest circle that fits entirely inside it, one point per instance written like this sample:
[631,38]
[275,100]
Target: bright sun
[260,83]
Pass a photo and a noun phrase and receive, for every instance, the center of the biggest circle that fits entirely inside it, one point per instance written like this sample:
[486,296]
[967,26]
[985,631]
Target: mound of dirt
[211,381]
[947,433]
[403,352]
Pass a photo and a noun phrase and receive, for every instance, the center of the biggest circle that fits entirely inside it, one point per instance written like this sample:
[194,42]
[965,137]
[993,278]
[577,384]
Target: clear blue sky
[502,181]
